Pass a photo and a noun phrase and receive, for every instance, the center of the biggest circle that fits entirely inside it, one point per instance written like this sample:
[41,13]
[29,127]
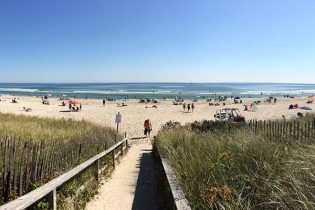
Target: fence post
[298,131]
[97,169]
[52,200]
[122,149]
[113,158]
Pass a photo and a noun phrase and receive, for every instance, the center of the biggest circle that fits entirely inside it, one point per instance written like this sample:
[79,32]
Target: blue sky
[157,40]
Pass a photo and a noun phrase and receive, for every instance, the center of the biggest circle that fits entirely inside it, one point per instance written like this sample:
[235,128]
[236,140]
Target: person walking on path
[192,107]
[188,107]
[184,107]
[147,128]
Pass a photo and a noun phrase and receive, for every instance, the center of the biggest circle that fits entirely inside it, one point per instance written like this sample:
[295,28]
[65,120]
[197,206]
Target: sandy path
[132,185]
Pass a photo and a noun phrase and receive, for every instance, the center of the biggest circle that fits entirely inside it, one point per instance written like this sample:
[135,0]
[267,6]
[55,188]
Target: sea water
[157,90]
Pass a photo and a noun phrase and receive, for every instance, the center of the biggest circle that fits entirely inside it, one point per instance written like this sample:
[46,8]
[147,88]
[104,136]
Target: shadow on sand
[146,191]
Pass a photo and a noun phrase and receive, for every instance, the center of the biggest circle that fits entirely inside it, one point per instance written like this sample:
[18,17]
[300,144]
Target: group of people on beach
[75,108]
[188,106]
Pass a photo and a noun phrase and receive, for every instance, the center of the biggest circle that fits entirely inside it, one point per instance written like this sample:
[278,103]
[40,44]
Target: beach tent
[74,102]
[306,108]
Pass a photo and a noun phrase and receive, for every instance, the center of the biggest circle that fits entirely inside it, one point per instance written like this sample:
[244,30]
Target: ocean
[157,90]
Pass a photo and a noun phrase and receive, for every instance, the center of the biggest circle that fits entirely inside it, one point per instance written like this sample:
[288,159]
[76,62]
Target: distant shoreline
[158,90]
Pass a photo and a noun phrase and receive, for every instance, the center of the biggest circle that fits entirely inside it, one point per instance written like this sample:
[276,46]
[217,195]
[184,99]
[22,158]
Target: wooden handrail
[51,187]
[180,201]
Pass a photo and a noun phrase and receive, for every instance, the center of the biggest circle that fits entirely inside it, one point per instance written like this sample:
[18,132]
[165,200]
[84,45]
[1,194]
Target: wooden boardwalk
[132,185]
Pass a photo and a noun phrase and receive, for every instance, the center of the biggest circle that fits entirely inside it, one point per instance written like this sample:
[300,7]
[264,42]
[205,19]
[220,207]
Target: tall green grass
[36,129]
[57,144]
[240,170]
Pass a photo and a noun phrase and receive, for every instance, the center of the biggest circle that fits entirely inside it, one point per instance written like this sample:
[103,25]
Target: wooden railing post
[113,158]
[122,149]
[52,200]
[97,169]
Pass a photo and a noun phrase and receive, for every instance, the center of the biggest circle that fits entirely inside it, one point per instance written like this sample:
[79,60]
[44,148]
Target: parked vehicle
[229,114]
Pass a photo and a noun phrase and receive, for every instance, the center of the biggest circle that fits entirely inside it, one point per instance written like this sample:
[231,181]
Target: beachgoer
[147,127]
[188,107]
[104,102]
[184,107]
[192,107]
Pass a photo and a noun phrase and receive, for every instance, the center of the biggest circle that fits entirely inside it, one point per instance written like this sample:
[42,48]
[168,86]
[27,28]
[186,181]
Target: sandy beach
[135,113]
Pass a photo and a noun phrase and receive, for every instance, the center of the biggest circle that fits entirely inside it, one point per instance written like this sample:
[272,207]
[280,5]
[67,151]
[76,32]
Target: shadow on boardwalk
[146,196]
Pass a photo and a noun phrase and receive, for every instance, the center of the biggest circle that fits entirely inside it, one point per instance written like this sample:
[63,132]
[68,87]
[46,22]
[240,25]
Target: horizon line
[307,83]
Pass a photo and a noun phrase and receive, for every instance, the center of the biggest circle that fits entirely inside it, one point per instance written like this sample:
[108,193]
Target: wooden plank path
[132,184]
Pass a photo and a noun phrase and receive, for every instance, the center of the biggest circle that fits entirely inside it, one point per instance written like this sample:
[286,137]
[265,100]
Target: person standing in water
[147,128]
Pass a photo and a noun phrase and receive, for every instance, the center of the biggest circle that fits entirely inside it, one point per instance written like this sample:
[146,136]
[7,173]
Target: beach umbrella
[306,108]
[74,102]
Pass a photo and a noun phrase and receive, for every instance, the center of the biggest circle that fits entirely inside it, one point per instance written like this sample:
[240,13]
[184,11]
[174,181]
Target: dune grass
[48,148]
[36,129]
[240,170]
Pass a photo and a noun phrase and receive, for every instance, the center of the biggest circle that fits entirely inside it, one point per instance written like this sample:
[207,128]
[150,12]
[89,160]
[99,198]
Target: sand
[135,113]
[131,185]
[128,188]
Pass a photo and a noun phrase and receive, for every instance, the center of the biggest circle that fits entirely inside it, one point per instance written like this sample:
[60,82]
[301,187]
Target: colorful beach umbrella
[74,102]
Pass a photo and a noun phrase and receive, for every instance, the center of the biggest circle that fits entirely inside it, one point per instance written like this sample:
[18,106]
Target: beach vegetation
[243,169]
[44,148]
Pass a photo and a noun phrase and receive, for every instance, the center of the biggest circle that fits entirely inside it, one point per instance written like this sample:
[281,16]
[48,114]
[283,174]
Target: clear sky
[157,40]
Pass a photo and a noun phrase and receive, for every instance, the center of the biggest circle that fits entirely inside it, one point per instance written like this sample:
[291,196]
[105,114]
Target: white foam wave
[270,92]
[119,92]
[216,93]
[20,90]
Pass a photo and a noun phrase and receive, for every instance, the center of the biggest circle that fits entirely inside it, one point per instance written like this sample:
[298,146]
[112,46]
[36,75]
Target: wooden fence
[178,200]
[50,188]
[26,165]
[284,130]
